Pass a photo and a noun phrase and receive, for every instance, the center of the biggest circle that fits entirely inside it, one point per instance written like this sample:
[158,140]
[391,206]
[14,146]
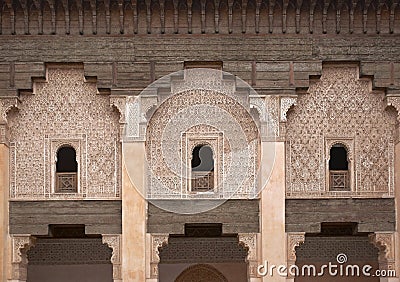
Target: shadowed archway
[201,273]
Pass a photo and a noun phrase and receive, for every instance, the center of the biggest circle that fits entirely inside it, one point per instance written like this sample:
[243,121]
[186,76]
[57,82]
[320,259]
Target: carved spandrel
[294,239]
[157,242]
[385,242]
[6,104]
[114,242]
[20,246]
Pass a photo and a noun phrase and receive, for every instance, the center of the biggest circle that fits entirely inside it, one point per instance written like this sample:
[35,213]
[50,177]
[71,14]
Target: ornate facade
[243,140]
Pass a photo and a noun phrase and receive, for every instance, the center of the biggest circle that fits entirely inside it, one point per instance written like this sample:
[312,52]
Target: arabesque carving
[249,240]
[385,242]
[157,242]
[114,242]
[64,108]
[340,105]
[20,246]
[294,239]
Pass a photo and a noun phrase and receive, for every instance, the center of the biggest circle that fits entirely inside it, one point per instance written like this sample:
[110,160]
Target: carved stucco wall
[340,107]
[226,120]
[64,110]
[192,107]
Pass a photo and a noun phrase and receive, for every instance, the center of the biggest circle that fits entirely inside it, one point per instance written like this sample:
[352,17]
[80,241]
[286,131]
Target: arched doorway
[201,273]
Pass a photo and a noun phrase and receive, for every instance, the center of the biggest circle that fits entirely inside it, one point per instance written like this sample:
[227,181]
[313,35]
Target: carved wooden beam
[148,15]
[365,14]
[244,15]
[79,6]
[271,15]
[176,16]
[38,7]
[353,5]
[93,7]
[203,15]
[325,15]
[135,16]
[258,7]
[52,6]
[230,16]
[285,5]
[312,9]
[10,6]
[380,4]
[1,16]
[162,15]
[339,5]
[66,13]
[121,16]
[216,15]
[24,6]
[189,14]
[299,3]
[392,15]
[108,16]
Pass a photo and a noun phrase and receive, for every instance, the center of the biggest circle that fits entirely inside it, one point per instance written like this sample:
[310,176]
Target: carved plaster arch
[113,241]
[286,103]
[394,101]
[6,104]
[385,242]
[294,239]
[158,240]
[249,242]
[21,244]
[203,272]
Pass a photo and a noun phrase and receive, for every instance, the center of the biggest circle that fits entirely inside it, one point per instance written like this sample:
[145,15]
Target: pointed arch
[201,272]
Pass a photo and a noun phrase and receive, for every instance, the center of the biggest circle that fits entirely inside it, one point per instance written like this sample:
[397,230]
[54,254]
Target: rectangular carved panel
[236,216]
[33,217]
[306,215]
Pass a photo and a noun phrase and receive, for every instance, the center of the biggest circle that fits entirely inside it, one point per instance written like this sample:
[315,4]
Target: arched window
[202,168]
[66,170]
[339,168]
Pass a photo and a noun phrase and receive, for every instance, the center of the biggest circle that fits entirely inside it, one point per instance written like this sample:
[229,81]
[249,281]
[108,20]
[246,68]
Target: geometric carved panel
[338,106]
[202,250]
[69,251]
[64,109]
[321,249]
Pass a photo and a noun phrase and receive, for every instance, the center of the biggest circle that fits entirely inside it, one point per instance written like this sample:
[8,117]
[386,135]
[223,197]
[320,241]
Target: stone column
[4,190]
[393,99]
[397,202]
[6,104]
[273,211]
[133,214]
